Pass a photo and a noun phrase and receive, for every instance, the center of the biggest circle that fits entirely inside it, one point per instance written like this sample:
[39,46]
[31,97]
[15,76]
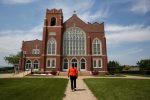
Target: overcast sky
[127,24]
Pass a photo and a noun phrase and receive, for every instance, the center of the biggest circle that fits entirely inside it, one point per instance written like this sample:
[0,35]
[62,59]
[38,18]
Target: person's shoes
[74,89]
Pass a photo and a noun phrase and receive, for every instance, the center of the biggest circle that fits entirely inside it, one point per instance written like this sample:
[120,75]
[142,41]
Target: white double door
[79,65]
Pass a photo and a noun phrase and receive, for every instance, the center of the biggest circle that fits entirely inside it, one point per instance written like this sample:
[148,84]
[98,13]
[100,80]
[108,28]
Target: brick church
[70,43]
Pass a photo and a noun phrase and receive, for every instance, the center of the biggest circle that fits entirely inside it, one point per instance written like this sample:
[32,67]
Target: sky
[127,24]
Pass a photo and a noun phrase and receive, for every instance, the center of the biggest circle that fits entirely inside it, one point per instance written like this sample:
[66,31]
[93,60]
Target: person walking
[73,74]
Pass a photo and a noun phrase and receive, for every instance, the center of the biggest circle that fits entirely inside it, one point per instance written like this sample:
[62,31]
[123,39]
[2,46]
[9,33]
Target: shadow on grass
[109,75]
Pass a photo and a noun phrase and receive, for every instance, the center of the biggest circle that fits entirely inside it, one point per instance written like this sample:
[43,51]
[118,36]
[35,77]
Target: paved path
[82,93]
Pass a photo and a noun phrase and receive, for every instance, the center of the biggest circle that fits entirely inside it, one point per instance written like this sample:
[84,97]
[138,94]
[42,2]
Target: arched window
[74,41]
[82,64]
[51,47]
[36,64]
[51,63]
[53,21]
[74,62]
[65,64]
[96,47]
[28,65]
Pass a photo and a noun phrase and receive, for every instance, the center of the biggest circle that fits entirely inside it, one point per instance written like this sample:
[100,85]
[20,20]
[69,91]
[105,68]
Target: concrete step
[21,74]
[80,73]
[63,73]
[84,73]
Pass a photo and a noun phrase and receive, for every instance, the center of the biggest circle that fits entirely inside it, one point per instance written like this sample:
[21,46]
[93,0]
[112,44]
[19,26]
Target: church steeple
[54,17]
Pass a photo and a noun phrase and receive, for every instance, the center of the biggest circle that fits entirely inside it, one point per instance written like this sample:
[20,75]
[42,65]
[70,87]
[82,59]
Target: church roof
[88,27]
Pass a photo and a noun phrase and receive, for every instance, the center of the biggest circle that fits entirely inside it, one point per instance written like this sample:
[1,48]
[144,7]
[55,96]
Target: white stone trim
[32,57]
[97,59]
[51,48]
[85,64]
[51,59]
[38,64]
[63,63]
[100,47]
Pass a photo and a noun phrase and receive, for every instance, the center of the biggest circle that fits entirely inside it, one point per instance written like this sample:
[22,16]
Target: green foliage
[6,70]
[144,64]
[12,59]
[125,67]
[114,67]
[119,89]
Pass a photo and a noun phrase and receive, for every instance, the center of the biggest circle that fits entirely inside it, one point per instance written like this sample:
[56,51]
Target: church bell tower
[52,37]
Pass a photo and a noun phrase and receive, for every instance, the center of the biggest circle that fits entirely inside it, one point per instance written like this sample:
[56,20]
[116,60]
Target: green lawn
[32,88]
[142,75]
[119,89]
[115,75]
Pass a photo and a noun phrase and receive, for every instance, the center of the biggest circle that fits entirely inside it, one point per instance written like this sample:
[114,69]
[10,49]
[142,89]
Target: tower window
[53,21]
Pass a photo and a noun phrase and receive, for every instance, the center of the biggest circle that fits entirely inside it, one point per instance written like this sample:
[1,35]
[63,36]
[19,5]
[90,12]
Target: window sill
[97,67]
[51,67]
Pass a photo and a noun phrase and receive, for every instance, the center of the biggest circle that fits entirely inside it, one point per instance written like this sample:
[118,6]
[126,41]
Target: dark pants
[73,82]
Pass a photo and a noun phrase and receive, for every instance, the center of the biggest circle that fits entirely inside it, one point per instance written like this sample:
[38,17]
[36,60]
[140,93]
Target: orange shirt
[72,71]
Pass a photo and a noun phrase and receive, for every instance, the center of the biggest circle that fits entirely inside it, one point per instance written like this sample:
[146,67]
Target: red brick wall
[95,30]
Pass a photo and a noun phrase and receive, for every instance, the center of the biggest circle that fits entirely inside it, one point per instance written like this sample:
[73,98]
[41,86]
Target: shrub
[54,72]
[95,72]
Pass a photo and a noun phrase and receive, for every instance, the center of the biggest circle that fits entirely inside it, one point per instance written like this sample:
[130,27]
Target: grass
[119,89]
[142,75]
[32,88]
[115,75]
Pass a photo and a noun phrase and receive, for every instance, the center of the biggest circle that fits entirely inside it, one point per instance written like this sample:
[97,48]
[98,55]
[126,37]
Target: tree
[144,65]
[12,59]
[114,67]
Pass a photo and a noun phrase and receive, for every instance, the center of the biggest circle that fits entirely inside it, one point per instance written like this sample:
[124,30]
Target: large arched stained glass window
[51,47]
[74,41]
[96,46]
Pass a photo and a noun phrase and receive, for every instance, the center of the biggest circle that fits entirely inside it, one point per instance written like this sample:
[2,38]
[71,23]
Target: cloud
[118,34]
[127,56]
[83,9]
[11,40]
[16,1]
[93,17]
[141,6]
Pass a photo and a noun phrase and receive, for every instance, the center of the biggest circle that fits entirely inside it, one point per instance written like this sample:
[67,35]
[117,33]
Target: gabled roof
[87,27]
[74,18]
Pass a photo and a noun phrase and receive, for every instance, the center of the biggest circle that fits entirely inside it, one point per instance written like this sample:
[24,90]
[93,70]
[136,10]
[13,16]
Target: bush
[7,70]
[95,72]
[126,68]
[54,72]
[144,64]
[114,67]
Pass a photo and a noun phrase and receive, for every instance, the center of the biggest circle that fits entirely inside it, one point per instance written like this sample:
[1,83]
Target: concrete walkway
[82,93]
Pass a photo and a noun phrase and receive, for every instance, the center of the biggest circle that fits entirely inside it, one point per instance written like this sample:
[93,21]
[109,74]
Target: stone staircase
[21,74]
[84,73]
[80,73]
